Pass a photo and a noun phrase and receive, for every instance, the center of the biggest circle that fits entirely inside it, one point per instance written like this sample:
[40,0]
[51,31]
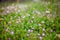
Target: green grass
[19,26]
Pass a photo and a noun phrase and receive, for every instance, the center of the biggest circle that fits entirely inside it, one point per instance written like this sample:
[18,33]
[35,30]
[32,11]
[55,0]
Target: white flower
[17,22]
[23,16]
[8,11]
[12,32]
[51,30]
[42,22]
[43,29]
[30,30]
[40,38]
[47,11]
[43,34]
[38,34]
[28,34]
[32,16]
[39,24]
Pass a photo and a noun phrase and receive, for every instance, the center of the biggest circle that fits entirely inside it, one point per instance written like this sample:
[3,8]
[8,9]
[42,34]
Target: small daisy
[43,34]
[40,38]
[23,16]
[12,32]
[17,22]
[39,24]
[8,11]
[28,34]
[38,34]
[43,29]
[29,30]
[47,11]
[51,30]
[32,16]
[32,28]
[42,22]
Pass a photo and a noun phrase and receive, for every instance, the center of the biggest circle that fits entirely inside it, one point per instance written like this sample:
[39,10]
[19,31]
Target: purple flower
[51,30]
[43,29]
[30,30]
[40,38]
[12,32]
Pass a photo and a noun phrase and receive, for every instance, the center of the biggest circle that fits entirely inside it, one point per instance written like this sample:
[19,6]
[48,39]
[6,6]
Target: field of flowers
[32,21]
